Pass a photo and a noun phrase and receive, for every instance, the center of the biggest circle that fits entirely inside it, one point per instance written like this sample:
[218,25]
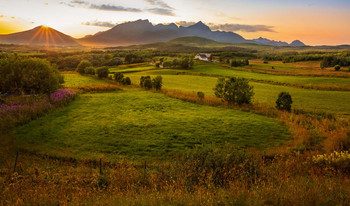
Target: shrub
[284,101]
[336,67]
[266,62]
[200,95]
[126,81]
[157,64]
[90,70]
[102,72]
[82,65]
[157,83]
[234,90]
[146,82]
[31,75]
[118,77]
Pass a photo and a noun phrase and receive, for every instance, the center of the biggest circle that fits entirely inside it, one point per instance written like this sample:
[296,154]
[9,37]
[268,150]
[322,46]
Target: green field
[213,69]
[306,99]
[138,123]
[130,69]
[217,70]
[77,79]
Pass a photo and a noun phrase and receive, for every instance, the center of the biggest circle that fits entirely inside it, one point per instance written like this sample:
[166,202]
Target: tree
[89,70]
[157,83]
[284,101]
[32,76]
[126,81]
[336,67]
[234,90]
[118,77]
[145,82]
[102,72]
[82,65]
[200,95]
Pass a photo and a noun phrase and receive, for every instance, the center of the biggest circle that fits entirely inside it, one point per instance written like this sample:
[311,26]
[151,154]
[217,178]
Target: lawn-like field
[125,68]
[72,79]
[306,99]
[214,69]
[138,123]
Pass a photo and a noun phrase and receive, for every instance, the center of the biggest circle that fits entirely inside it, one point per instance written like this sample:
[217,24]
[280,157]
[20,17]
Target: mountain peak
[297,43]
[199,26]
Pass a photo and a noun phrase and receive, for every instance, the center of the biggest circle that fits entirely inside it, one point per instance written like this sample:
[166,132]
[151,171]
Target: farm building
[203,57]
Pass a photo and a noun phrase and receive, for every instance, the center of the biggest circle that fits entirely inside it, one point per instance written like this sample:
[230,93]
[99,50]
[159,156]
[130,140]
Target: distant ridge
[41,35]
[143,32]
[269,42]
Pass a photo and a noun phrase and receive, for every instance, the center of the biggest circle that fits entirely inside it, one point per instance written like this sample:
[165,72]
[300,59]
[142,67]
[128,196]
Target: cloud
[159,3]
[241,27]
[231,27]
[185,23]
[99,23]
[161,11]
[107,7]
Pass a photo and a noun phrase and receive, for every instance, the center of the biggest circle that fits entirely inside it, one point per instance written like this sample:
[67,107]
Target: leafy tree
[126,81]
[82,65]
[31,75]
[336,67]
[234,90]
[118,77]
[284,101]
[200,95]
[146,82]
[157,83]
[89,70]
[102,72]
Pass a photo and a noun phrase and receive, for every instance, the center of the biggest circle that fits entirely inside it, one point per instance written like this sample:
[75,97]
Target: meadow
[98,142]
[142,124]
[304,99]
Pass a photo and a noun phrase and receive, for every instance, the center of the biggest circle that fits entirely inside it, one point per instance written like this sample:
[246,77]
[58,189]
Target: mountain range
[132,33]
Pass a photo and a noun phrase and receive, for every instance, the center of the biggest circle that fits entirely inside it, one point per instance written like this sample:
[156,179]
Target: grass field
[131,68]
[139,123]
[72,79]
[213,69]
[306,99]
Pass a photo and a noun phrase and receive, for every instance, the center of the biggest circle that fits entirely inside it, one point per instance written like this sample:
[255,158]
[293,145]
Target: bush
[31,75]
[89,70]
[200,95]
[145,82]
[102,72]
[157,64]
[336,67]
[118,77]
[157,83]
[82,65]
[234,90]
[126,81]
[284,101]
[266,62]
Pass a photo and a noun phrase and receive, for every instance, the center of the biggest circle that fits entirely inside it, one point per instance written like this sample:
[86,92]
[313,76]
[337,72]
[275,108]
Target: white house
[203,57]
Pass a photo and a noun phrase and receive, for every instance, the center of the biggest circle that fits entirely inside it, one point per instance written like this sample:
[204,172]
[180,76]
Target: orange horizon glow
[313,22]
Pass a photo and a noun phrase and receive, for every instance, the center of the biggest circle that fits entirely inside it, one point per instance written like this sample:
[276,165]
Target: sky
[315,22]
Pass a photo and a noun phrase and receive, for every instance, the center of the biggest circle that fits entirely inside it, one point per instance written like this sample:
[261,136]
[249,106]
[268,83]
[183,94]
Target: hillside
[41,35]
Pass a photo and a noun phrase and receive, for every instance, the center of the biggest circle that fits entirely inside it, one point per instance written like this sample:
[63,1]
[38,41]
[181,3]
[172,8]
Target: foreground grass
[139,123]
[304,99]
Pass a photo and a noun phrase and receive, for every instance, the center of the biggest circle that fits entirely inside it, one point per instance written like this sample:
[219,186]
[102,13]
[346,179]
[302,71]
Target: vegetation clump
[200,95]
[82,66]
[234,90]
[284,101]
[89,70]
[239,63]
[102,72]
[146,82]
[336,67]
[157,83]
[30,76]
